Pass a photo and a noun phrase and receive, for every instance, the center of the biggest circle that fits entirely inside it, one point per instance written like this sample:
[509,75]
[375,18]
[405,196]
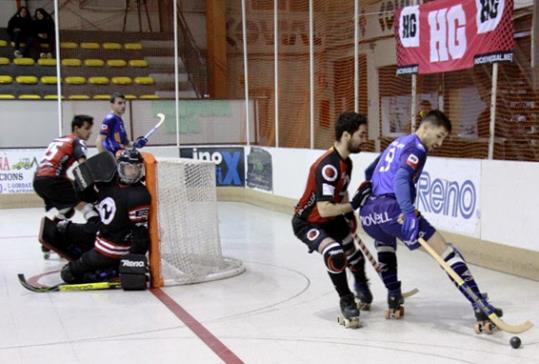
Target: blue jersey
[113,128]
[399,168]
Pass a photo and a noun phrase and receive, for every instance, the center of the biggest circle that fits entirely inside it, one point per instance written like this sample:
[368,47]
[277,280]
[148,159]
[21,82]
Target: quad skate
[46,252]
[395,302]
[349,316]
[363,295]
[483,324]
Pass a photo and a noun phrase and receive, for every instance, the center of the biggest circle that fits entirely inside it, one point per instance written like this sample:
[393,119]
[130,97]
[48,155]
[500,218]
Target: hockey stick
[515,329]
[65,287]
[377,267]
[161,117]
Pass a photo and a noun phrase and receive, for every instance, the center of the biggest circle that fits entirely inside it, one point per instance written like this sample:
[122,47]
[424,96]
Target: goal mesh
[186,239]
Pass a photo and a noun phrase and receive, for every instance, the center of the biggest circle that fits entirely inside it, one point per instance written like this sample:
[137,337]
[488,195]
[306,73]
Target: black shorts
[313,234]
[58,192]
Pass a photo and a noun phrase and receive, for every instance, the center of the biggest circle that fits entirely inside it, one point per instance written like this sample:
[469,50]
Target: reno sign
[448,195]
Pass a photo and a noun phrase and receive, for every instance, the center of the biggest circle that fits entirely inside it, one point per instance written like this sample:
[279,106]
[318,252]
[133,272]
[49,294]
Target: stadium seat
[101,97]
[49,80]
[7,97]
[98,80]
[149,97]
[4,61]
[5,79]
[26,80]
[24,61]
[79,97]
[133,46]
[138,63]
[94,62]
[44,45]
[71,62]
[20,44]
[50,62]
[121,80]
[112,45]
[145,80]
[3,43]
[75,80]
[29,97]
[116,63]
[130,97]
[52,97]
[68,45]
[89,45]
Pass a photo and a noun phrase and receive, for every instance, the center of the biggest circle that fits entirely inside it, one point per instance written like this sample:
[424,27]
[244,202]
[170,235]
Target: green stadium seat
[71,62]
[7,97]
[24,61]
[29,97]
[133,46]
[98,80]
[94,62]
[75,80]
[116,63]
[145,80]
[26,80]
[122,80]
[112,46]
[138,63]
[49,62]
[5,79]
[89,45]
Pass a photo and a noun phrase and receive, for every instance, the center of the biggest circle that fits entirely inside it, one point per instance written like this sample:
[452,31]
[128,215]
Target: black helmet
[130,166]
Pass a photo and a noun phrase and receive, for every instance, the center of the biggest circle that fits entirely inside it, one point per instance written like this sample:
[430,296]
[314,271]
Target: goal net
[185,243]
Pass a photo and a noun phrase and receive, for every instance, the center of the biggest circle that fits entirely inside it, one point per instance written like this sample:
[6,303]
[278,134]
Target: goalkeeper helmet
[130,166]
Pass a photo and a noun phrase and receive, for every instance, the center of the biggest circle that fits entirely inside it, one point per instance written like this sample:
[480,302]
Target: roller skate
[483,324]
[395,302]
[363,295]
[46,252]
[349,316]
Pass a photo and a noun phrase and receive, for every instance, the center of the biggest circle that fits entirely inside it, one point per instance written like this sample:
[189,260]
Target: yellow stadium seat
[49,80]
[4,61]
[3,43]
[46,62]
[20,44]
[5,79]
[75,80]
[138,63]
[146,80]
[133,46]
[122,80]
[116,63]
[29,97]
[7,97]
[98,80]
[71,62]
[130,97]
[79,97]
[68,45]
[112,45]
[52,97]
[101,97]
[93,62]
[44,45]
[89,45]
[26,80]
[24,61]
[148,97]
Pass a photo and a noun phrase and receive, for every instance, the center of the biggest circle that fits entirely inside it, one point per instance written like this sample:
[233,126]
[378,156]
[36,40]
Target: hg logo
[226,173]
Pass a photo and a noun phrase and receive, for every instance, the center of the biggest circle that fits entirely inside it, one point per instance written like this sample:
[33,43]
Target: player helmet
[130,166]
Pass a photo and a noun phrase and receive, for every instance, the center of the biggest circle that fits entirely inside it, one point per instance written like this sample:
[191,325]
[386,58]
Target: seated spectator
[44,32]
[20,30]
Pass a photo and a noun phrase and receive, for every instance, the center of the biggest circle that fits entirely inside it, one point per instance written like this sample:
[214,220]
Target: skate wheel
[364,306]
[387,314]
[489,328]
[398,314]
[402,310]
[478,328]
[46,256]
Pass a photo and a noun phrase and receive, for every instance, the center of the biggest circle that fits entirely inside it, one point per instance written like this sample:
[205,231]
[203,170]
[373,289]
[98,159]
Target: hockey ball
[515,342]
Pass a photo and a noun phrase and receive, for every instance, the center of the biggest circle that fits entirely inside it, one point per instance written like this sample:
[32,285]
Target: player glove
[351,221]
[360,197]
[410,227]
[140,142]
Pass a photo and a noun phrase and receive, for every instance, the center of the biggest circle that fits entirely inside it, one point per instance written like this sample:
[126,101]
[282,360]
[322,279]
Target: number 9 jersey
[405,152]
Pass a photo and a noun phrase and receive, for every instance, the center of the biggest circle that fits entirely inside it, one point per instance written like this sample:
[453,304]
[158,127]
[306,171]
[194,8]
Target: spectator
[44,32]
[20,30]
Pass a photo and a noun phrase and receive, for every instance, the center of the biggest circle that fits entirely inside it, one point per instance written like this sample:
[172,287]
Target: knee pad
[334,258]
[452,255]
[66,213]
[356,262]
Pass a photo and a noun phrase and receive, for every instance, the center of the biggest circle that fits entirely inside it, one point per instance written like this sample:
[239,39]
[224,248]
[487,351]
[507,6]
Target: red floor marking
[207,337]
[34,280]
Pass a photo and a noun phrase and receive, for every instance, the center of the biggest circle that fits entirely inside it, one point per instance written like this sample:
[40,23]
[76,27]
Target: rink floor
[283,309]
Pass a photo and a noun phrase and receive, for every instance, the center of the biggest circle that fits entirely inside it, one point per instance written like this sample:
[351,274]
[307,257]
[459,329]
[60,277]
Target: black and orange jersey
[60,155]
[328,180]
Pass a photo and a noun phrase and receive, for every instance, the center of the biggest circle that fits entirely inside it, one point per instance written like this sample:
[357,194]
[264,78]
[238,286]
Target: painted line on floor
[207,337]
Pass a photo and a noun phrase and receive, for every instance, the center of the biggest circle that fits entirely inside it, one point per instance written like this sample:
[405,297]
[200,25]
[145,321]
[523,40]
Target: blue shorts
[380,219]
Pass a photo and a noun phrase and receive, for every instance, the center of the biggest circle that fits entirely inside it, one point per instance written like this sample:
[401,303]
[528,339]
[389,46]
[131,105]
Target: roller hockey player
[51,182]
[389,212]
[324,219]
[96,249]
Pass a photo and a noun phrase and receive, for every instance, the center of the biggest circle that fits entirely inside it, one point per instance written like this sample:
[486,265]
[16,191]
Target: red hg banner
[449,35]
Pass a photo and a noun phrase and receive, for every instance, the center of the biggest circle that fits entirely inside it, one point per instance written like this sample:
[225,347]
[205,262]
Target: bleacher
[93,66]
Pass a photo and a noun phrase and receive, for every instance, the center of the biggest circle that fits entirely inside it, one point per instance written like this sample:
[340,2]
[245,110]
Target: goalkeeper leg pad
[133,272]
